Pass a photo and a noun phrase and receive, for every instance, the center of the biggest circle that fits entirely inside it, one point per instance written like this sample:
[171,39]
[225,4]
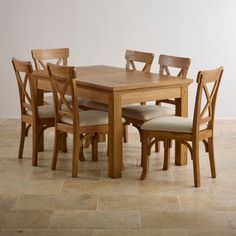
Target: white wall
[99,32]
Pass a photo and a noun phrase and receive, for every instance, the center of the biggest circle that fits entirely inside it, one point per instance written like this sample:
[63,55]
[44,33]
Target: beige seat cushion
[95,105]
[90,118]
[45,111]
[49,100]
[171,124]
[146,112]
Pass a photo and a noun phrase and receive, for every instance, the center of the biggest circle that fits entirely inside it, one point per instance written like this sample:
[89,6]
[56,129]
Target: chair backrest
[63,82]
[207,90]
[136,56]
[26,87]
[42,56]
[182,63]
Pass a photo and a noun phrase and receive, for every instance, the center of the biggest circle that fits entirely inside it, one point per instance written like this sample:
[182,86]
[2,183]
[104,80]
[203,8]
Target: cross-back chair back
[166,62]
[62,80]
[26,87]
[180,66]
[136,56]
[42,56]
[207,90]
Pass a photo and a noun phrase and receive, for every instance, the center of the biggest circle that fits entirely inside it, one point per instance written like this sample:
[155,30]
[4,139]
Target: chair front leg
[167,146]
[22,139]
[55,148]
[212,157]
[145,156]
[62,143]
[125,133]
[76,153]
[196,167]
[94,141]
[35,144]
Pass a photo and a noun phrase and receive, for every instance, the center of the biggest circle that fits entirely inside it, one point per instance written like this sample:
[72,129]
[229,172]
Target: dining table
[118,87]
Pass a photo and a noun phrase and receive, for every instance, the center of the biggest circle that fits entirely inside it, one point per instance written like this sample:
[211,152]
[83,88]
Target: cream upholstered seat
[89,118]
[49,100]
[171,124]
[187,131]
[45,111]
[145,112]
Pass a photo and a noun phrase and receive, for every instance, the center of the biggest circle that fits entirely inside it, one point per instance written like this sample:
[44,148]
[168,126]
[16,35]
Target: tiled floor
[37,201]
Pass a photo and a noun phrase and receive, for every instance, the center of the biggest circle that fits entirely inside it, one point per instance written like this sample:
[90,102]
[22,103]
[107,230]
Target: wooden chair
[144,59]
[184,130]
[58,56]
[137,115]
[39,117]
[69,119]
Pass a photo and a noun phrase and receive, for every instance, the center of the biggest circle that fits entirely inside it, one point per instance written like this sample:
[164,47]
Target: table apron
[150,95]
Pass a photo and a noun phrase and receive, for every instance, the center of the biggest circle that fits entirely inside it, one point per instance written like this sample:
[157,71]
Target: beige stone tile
[105,186]
[7,201]
[140,232]
[208,201]
[138,202]
[184,220]
[212,233]
[47,232]
[26,219]
[30,187]
[64,173]
[172,188]
[225,188]
[95,219]
[57,202]
[232,219]
[2,217]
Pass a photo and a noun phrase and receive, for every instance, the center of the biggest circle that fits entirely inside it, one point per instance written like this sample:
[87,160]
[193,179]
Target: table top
[111,78]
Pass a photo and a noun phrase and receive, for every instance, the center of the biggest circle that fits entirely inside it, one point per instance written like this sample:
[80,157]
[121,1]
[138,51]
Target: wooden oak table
[116,87]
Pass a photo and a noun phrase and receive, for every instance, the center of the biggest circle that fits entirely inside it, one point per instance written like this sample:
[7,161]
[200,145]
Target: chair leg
[41,142]
[81,152]
[22,139]
[196,167]
[87,142]
[76,153]
[62,142]
[94,141]
[35,145]
[212,157]
[145,156]
[157,146]
[55,149]
[166,154]
[126,133]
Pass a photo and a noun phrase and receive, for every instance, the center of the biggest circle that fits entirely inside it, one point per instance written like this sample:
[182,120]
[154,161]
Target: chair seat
[49,100]
[45,111]
[146,112]
[95,105]
[171,124]
[90,118]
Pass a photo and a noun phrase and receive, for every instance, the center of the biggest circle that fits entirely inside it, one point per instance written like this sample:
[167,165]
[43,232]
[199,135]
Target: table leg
[181,110]
[115,137]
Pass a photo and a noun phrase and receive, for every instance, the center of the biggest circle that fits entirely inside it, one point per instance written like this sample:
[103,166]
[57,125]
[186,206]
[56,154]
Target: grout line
[98,198]
[139,215]
[180,205]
